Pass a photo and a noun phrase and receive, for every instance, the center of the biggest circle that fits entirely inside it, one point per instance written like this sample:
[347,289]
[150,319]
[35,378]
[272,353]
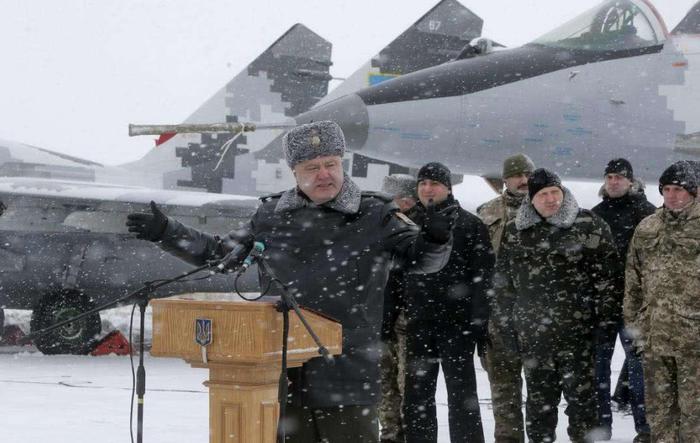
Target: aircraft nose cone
[350,112]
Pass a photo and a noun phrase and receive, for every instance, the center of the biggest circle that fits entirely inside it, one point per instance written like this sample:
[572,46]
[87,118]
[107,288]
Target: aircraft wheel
[73,338]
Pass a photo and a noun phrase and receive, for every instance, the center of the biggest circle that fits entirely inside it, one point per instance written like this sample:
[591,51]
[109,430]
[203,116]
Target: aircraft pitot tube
[201,128]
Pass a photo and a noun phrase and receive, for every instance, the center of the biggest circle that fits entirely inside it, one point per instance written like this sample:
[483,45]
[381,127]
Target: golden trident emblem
[315,141]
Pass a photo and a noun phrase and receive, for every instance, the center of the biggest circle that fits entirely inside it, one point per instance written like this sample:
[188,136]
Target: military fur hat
[312,140]
[540,179]
[681,173]
[400,185]
[517,164]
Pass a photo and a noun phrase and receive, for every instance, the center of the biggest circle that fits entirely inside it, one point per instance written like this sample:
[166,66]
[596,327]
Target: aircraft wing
[23,160]
[45,205]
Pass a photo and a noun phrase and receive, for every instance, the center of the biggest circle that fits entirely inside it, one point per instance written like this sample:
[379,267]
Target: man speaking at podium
[332,245]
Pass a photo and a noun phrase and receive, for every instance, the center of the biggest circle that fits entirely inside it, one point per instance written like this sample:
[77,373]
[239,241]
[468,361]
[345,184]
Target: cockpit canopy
[614,25]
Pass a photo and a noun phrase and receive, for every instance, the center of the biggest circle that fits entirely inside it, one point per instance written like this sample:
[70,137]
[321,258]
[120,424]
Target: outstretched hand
[148,226]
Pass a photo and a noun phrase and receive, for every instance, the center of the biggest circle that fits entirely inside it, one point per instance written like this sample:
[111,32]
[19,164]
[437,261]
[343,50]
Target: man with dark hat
[624,205]
[554,284]
[402,188]
[447,316]
[332,245]
[662,306]
[505,368]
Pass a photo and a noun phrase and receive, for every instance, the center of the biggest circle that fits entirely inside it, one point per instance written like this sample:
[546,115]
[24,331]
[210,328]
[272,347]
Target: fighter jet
[62,233]
[611,82]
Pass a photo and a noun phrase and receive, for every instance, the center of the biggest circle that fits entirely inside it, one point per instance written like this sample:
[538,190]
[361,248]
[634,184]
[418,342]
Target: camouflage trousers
[505,377]
[548,376]
[393,370]
[672,386]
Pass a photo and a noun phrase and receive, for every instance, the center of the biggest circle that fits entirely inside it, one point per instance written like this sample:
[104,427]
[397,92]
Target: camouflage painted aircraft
[62,236]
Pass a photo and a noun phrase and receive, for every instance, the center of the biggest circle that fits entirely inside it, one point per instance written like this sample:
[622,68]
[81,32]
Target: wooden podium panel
[244,357]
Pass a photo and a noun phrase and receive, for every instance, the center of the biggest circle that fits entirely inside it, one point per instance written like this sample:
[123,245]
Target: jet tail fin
[289,77]
[690,23]
[437,37]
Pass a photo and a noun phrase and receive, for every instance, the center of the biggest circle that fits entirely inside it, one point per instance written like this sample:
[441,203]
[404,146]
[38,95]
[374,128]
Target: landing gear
[73,338]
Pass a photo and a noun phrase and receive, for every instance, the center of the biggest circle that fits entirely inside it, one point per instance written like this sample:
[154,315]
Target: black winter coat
[623,214]
[335,259]
[458,292]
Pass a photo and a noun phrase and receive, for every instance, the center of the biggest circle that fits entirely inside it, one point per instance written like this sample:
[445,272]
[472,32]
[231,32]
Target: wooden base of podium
[243,358]
[243,404]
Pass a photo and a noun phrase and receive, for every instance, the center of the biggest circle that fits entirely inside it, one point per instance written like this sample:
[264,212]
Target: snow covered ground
[86,399]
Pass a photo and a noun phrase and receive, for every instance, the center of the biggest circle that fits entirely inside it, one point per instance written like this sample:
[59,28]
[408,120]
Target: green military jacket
[496,213]
[662,283]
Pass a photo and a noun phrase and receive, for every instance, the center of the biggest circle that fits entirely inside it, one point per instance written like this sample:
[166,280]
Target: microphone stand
[141,297]
[288,302]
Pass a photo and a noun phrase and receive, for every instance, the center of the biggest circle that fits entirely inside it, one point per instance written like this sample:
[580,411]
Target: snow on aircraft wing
[115,193]
[38,205]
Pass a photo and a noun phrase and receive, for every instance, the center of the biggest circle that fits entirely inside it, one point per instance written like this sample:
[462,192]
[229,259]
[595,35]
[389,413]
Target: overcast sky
[75,73]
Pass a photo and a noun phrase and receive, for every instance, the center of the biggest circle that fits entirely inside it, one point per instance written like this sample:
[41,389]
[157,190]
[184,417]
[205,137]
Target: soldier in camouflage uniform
[402,188]
[662,307]
[504,368]
[554,284]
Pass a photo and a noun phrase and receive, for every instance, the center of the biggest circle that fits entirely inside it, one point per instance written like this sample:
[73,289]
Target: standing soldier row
[557,306]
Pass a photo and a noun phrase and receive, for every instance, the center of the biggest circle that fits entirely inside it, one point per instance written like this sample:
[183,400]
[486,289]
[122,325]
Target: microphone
[238,253]
[255,254]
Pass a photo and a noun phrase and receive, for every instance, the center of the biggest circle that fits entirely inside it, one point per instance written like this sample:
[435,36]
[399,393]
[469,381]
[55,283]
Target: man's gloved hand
[148,226]
[437,225]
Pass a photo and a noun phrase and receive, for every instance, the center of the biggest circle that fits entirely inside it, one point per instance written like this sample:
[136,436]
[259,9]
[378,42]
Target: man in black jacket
[624,205]
[447,316]
[332,246]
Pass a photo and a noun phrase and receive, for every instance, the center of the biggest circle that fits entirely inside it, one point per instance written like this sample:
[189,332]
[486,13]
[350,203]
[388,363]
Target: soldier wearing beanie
[402,188]
[623,207]
[554,285]
[661,306]
[447,315]
[504,368]
[324,215]
[681,174]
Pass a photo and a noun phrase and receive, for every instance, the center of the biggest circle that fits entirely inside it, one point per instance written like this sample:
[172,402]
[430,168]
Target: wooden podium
[243,357]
